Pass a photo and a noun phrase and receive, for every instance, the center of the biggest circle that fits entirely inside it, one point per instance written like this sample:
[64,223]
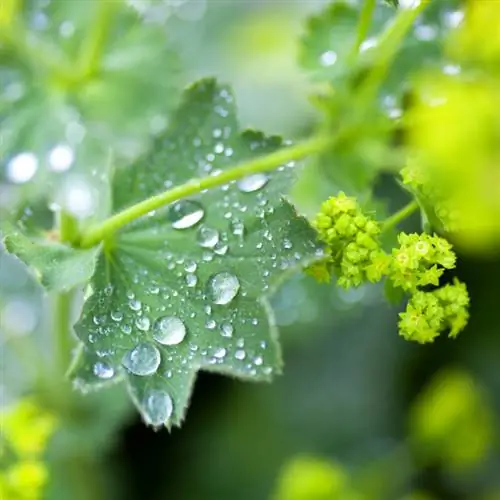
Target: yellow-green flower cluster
[26,428]
[428,314]
[354,254]
[351,239]
[420,260]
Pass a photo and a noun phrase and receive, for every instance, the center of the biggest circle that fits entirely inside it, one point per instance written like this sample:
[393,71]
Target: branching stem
[399,216]
[96,234]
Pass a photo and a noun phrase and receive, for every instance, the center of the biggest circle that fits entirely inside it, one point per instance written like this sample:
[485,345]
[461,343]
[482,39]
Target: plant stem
[62,303]
[388,45]
[94,235]
[399,216]
[365,21]
[62,309]
[90,56]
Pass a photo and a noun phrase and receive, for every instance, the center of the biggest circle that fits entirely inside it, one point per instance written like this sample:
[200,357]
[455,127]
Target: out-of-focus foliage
[356,404]
[25,431]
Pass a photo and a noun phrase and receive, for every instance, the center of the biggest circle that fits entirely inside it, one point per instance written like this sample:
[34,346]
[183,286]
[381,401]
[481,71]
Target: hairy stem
[388,45]
[365,21]
[94,235]
[400,215]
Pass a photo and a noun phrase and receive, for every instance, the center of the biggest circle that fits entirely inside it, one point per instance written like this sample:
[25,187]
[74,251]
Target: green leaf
[185,288]
[58,267]
[49,99]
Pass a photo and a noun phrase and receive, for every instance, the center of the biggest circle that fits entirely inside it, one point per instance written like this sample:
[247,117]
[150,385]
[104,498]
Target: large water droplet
[103,370]
[143,359]
[186,214]
[158,407]
[207,237]
[169,330]
[253,183]
[223,287]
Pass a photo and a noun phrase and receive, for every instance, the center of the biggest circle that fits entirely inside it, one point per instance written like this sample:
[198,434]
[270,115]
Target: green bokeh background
[349,382]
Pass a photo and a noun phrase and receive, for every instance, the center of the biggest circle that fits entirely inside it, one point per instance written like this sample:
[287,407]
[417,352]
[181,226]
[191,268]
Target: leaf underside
[208,262]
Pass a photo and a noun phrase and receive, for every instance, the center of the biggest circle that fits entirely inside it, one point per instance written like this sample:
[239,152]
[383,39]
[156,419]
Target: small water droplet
[220,353]
[143,323]
[158,407]
[191,280]
[144,359]
[237,227]
[221,248]
[169,330]
[103,370]
[190,266]
[135,304]
[61,158]
[223,288]
[116,315]
[210,324]
[328,58]
[186,214]
[253,183]
[240,354]
[227,330]
[207,237]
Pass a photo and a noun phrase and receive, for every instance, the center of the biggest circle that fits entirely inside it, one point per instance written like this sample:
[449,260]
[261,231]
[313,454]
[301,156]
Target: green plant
[177,226]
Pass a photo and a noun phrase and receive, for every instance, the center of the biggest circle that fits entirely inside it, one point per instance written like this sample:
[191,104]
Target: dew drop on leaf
[227,330]
[253,183]
[158,407]
[186,214]
[103,370]
[143,323]
[223,287]
[207,237]
[220,353]
[143,359]
[169,330]
[240,354]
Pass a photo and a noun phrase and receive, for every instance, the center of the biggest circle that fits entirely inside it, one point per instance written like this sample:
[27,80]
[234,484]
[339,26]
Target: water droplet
[116,315]
[328,58]
[143,323]
[191,280]
[190,266]
[61,158]
[158,407]
[221,248]
[169,330]
[186,214]
[207,237]
[103,370]
[237,227]
[227,330]
[210,324]
[240,354]
[143,359]
[135,304]
[223,287]
[22,167]
[220,353]
[258,360]
[253,183]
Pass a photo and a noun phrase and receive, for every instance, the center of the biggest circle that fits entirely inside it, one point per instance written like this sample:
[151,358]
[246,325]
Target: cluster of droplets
[155,336]
[354,254]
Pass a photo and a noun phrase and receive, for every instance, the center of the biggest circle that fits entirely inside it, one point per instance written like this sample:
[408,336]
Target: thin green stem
[388,45]
[62,303]
[365,22]
[95,234]
[399,216]
[91,52]
[61,314]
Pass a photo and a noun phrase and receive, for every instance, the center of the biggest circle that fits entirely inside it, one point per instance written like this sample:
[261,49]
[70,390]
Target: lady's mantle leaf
[184,288]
